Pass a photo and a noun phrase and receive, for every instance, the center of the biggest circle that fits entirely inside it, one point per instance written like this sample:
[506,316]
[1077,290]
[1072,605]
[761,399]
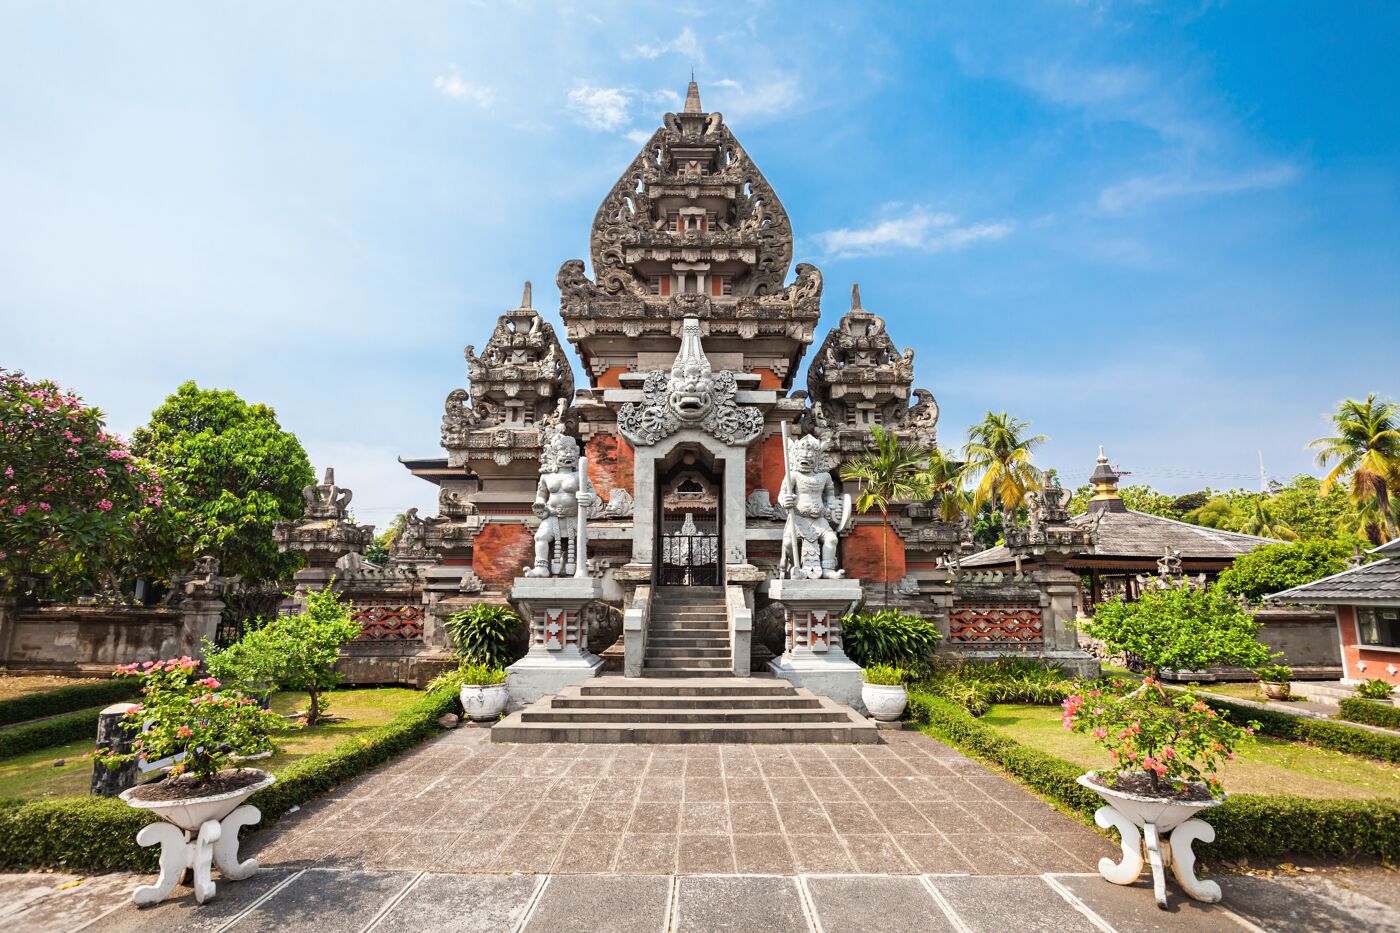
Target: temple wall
[763,466]
[863,554]
[502,551]
[92,639]
[610,463]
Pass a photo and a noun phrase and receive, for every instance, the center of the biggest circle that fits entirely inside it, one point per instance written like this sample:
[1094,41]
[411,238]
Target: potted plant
[1274,681]
[481,688]
[884,693]
[202,728]
[1375,689]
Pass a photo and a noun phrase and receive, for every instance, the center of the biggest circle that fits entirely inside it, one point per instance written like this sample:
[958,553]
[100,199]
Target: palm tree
[1366,448]
[998,449]
[946,485]
[893,471]
[1260,520]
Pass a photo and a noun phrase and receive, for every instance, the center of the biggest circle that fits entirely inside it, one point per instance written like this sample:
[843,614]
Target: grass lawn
[1265,766]
[1244,690]
[36,776]
[20,685]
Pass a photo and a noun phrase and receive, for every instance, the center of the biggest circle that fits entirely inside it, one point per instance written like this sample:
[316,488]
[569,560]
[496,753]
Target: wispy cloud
[756,98]
[600,108]
[685,45]
[1145,189]
[452,84]
[917,229]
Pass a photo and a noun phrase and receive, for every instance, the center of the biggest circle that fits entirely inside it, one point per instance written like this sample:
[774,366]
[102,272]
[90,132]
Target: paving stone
[1284,905]
[738,903]
[1132,907]
[1011,854]
[875,905]
[529,852]
[763,853]
[647,853]
[933,854]
[704,816]
[586,853]
[1023,904]
[461,904]
[815,852]
[877,853]
[321,900]
[708,853]
[602,904]
[59,903]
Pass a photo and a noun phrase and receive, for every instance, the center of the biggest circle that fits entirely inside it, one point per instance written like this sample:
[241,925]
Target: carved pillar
[554,609]
[813,657]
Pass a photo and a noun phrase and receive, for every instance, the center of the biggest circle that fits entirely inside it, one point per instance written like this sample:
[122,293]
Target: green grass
[1265,766]
[22,685]
[1241,690]
[35,777]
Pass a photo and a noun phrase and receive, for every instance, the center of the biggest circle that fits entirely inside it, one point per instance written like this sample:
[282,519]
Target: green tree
[1365,452]
[892,472]
[70,493]
[999,451]
[232,471]
[377,552]
[1218,512]
[1274,568]
[1261,519]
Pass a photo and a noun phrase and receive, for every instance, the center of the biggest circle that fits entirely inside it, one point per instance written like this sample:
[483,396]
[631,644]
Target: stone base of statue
[556,609]
[814,659]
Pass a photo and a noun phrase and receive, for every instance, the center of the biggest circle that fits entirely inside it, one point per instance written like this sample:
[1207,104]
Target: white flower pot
[483,704]
[1166,815]
[190,813]
[885,703]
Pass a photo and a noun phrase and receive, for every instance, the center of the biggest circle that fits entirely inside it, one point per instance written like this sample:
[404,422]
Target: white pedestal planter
[1156,818]
[885,702]
[198,833]
[483,703]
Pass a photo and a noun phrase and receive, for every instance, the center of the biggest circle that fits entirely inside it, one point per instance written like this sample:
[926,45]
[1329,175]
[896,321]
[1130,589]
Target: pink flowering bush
[1170,737]
[184,712]
[69,491]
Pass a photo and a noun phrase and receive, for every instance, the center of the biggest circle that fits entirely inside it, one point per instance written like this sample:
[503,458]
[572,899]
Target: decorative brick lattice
[557,629]
[389,622]
[996,625]
[813,630]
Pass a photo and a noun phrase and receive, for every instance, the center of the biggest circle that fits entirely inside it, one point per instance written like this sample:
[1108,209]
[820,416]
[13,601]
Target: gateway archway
[690,529]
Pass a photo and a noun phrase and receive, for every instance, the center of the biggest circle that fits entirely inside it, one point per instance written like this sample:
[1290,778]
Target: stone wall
[95,639]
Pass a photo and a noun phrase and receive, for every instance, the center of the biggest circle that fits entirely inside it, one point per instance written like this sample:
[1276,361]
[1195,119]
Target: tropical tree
[894,471]
[1260,519]
[1366,452]
[945,479]
[999,450]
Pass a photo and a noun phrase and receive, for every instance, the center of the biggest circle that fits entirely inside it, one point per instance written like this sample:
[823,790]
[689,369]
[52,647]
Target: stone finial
[525,299]
[692,96]
[326,499]
[855,297]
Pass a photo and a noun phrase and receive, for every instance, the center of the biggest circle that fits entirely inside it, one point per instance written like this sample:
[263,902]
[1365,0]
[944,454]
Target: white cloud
[600,108]
[1144,189]
[452,84]
[917,229]
[760,98]
[637,136]
[685,45]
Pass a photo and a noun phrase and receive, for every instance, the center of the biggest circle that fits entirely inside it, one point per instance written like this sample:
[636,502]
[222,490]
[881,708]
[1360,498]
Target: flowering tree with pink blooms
[70,491]
[184,714]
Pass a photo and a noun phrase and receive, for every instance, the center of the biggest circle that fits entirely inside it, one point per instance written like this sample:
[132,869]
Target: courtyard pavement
[465,835]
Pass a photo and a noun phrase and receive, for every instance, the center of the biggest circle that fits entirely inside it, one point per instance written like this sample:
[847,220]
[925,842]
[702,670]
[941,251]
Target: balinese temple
[1129,544]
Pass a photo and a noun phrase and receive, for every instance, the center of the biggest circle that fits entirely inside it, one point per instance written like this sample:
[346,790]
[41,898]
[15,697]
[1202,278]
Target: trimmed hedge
[1246,825]
[65,700]
[1371,712]
[46,733]
[97,833]
[1323,733]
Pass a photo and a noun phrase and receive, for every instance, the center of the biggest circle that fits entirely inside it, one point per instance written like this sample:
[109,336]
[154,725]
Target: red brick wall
[767,379]
[1376,661]
[763,466]
[609,379]
[502,552]
[610,463]
[862,555]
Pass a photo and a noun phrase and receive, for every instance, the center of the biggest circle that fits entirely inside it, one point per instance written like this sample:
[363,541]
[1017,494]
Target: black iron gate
[689,549]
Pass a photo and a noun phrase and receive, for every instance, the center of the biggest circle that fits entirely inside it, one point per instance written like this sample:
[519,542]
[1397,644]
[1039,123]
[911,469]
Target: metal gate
[689,550]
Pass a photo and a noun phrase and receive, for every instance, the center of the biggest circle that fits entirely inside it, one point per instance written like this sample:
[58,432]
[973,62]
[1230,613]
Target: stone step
[682,715]
[688,641]
[655,702]
[679,615]
[670,672]
[639,686]
[703,625]
[688,661]
[720,650]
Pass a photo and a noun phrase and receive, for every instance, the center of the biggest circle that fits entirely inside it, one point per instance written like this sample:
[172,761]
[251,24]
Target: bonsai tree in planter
[1275,680]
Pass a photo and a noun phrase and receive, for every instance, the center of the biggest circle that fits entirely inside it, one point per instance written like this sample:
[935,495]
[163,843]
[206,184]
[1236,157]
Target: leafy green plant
[468,675]
[64,700]
[1275,673]
[975,686]
[485,634]
[894,471]
[1375,689]
[884,675]
[1274,568]
[1357,709]
[46,733]
[889,637]
[180,715]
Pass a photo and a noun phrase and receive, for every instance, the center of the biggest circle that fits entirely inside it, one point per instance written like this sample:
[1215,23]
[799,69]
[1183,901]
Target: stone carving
[326,499]
[814,513]
[411,544]
[1169,564]
[758,505]
[908,586]
[324,533]
[691,395]
[921,420]
[618,505]
[1049,532]
[562,501]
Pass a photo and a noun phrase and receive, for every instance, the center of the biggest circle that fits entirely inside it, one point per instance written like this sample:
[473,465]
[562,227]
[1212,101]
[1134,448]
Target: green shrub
[1246,825]
[1275,673]
[59,730]
[1376,689]
[1357,709]
[884,675]
[64,700]
[1320,732]
[1274,568]
[468,675]
[889,637]
[485,634]
[975,686]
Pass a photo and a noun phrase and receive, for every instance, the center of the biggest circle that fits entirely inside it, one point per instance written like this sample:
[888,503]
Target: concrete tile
[996,905]
[588,853]
[662,788]
[702,854]
[789,788]
[817,852]
[803,818]
[702,768]
[647,854]
[59,903]
[998,819]
[602,904]
[763,853]
[1134,908]
[529,852]
[851,816]
[753,816]
[747,788]
[461,904]
[655,817]
[1287,904]
[422,851]
[472,851]
[834,788]
[553,817]
[900,817]
[738,904]
[604,816]
[933,854]
[1027,854]
[876,905]
[325,901]
[705,816]
[705,788]
[878,853]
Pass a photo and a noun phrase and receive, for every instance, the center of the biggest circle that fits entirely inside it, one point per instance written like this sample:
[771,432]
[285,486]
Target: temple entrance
[688,535]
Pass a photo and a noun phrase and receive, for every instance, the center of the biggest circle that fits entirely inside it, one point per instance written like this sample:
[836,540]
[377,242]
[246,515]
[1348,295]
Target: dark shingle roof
[1138,535]
[1373,582]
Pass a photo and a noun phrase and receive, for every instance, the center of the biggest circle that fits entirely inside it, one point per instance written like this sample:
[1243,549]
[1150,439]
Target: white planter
[885,703]
[198,833]
[1155,817]
[483,704]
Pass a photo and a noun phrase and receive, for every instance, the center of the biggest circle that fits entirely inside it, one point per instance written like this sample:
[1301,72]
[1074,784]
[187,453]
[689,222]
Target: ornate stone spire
[692,96]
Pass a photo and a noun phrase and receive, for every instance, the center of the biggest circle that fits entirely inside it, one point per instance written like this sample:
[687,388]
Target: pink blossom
[1100,733]
[45,507]
[184,732]
[105,505]
[21,509]
[9,472]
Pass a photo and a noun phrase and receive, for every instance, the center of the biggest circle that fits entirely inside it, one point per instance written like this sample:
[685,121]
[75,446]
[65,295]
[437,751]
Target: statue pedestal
[814,659]
[555,609]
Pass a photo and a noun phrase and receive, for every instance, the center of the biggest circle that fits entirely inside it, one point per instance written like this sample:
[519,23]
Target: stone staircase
[688,633]
[686,710]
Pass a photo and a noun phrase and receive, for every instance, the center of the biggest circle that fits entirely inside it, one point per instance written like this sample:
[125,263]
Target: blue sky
[1167,228]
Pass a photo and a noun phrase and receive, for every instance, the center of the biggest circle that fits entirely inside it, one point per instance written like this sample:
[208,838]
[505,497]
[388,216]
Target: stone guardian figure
[562,491]
[815,514]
